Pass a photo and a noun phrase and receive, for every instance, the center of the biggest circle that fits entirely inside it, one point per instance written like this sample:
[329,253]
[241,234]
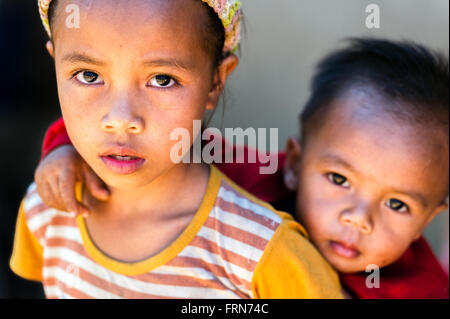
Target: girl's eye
[397,205]
[338,180]
[162,81]
[88,77]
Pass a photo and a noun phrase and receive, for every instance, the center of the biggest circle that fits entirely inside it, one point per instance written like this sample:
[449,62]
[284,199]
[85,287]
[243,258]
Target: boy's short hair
[404,72]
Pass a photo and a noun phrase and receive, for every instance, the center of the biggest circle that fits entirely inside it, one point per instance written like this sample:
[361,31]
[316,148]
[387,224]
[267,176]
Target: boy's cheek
[309,213]
[315,203]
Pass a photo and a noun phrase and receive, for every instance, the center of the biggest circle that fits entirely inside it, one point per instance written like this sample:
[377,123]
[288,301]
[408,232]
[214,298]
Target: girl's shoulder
[40,217]
[238,208]
[234,198]
[272,246]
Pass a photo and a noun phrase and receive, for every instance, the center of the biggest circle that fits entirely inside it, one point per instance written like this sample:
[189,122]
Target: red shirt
[417,274]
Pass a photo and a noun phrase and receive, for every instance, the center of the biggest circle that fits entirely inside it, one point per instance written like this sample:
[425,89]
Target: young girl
[128,75]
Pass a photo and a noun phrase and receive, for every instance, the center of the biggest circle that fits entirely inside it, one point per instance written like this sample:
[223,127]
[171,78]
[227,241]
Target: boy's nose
[358,218]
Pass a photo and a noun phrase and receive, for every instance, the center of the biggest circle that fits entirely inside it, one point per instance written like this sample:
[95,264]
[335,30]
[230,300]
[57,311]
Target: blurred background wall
[284,40]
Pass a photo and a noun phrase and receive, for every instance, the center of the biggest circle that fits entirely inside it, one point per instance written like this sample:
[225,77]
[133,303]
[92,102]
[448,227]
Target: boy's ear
[291,165]
[440,209]
[223,71]
[50,48]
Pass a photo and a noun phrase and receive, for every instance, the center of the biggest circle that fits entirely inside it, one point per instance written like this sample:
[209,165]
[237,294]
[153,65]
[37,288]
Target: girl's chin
[126,185]
[128,182]
[123,182]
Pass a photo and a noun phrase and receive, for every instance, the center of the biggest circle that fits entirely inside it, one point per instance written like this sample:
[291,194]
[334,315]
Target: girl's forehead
[138,28]
[228,12]
[133,15]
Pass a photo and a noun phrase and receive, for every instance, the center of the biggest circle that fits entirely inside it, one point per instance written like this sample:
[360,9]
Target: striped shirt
[235,247]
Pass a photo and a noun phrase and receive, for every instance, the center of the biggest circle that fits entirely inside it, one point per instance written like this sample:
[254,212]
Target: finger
[57,198]
[67,183]
[95,185]
[42,187]
[46,195]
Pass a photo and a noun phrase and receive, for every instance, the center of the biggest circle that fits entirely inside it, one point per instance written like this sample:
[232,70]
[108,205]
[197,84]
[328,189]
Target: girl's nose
[122,120]
[360,218]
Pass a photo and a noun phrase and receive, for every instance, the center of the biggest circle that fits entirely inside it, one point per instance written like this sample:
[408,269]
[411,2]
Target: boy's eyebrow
[81,57]
[332,158]
[417,196]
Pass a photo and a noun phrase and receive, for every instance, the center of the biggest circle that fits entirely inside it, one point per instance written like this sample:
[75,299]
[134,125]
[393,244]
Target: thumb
[94,184]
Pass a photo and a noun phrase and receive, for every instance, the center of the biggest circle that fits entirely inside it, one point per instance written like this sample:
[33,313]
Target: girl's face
[369,184]
[128,76]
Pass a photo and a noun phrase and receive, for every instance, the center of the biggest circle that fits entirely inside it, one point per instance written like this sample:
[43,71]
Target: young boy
[370,170]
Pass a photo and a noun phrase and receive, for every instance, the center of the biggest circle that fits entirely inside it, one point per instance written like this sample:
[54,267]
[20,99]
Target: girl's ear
[440,209]
[50,48]
[223,71]
[291,165]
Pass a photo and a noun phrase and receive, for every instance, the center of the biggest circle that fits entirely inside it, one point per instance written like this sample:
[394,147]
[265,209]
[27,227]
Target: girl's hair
[214,32]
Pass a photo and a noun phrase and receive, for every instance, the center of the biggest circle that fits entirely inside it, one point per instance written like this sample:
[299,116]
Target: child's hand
[57,175]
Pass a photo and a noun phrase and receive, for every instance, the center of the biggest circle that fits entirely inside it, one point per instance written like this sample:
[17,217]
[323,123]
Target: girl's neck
[177,192]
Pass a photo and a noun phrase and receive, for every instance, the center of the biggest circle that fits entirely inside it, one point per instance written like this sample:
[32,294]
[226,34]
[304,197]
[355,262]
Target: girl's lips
[125,166]
[344,250]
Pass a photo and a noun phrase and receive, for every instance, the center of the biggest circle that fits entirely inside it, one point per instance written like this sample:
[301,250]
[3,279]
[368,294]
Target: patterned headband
[229,12]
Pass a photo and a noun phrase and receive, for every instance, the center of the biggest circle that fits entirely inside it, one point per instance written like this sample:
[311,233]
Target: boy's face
[369,184]
[127,77]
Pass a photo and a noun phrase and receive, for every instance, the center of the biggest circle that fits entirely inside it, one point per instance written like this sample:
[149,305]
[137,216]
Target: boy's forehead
[365,110]
[359,131]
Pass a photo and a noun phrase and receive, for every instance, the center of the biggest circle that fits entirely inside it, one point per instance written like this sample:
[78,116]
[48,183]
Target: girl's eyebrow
[81,57]
[174,63]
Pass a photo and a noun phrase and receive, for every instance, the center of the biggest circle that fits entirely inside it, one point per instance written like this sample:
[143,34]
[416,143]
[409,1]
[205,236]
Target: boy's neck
[178,191]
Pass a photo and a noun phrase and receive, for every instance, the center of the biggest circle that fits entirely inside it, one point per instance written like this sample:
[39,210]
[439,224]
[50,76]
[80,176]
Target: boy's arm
[291,268]
[269,188]
[55,136]
[27,256]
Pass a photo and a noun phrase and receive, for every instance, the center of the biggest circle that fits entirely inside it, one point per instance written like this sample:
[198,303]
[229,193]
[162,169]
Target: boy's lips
[122,160]
[344,249]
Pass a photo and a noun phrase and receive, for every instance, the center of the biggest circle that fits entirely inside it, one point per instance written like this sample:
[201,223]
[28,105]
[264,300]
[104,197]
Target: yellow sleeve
[291,268]
[27,256]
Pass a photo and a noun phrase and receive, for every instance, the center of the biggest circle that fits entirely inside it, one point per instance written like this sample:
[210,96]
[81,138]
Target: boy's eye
[88,77]
[338,180]
[397,205]
[162,81]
